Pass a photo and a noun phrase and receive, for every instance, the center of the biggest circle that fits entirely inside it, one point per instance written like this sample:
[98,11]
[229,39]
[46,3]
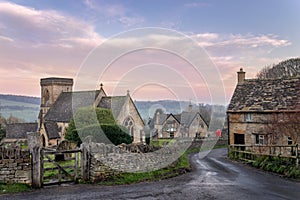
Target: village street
[213,177]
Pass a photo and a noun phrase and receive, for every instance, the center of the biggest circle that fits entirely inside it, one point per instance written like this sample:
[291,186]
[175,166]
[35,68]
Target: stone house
[186,124]
[59,102]
[264,111]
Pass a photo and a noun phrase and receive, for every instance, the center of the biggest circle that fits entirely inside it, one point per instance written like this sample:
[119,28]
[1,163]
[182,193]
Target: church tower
[51,88]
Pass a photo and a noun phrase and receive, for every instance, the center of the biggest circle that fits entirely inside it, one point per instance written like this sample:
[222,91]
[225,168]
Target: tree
[12,120]
[2,132]
[286,124]
[2,126]
[284,69]
[87,122]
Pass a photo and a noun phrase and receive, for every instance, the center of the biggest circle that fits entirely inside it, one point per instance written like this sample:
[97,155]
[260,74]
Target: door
[239,139]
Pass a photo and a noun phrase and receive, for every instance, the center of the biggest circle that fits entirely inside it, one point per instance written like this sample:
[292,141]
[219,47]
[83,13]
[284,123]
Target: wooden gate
[60,166]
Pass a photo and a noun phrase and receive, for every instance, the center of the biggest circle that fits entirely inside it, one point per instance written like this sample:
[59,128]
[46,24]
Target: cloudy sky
[53,39]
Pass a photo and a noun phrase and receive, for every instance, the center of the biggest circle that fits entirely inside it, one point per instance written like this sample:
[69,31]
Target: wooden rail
[250,152]
[59,166]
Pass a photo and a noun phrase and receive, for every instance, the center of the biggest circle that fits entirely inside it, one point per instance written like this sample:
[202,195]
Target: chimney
[241,76]
[128,93]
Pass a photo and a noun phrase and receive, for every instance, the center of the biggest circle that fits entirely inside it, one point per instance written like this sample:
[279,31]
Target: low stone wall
[107,160]
[110,160]
[15,165]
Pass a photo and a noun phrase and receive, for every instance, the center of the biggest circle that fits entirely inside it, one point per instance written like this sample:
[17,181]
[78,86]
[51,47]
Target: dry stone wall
[109,160]
[15,165]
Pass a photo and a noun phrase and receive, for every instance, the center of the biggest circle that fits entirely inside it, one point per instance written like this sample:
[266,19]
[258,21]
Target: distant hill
[284,69]
[23,99]
[23,107]
[148,108]
[27,108]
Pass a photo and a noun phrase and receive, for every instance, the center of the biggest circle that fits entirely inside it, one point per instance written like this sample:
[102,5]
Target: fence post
[297,156]
[35,149]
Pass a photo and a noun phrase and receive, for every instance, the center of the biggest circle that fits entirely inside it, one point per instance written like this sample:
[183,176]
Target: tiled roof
[185,118]
[162,118]
[69,102]
[114,103]
[266,95]
[62,109]
[20,130]
[52,130]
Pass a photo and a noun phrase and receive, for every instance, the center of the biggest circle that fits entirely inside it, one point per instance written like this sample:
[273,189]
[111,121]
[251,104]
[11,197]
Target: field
[25,111]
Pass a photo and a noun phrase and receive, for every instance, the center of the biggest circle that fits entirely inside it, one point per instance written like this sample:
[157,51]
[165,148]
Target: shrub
[104,129]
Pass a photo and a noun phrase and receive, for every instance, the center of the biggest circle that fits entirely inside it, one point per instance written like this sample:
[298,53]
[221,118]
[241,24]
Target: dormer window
[248,117]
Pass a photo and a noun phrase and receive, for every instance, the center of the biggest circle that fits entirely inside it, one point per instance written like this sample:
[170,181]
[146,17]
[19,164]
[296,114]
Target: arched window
[129,124]
[46,96]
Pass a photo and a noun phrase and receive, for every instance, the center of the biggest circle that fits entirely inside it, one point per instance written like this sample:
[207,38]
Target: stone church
[59,102]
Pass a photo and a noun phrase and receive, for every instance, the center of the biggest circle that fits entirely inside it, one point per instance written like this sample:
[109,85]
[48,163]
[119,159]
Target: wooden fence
[250,152]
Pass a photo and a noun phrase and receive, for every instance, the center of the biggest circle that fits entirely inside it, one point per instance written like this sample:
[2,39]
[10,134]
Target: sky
[40,39]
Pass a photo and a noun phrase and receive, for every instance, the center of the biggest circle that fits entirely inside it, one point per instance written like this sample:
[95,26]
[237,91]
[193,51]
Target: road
[213,177]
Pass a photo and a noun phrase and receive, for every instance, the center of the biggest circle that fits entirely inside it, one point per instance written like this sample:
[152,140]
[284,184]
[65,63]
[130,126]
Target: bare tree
[285,124]
[284,69]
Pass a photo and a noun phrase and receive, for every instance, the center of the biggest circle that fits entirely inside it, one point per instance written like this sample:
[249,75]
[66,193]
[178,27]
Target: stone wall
[107,160]
[15,165]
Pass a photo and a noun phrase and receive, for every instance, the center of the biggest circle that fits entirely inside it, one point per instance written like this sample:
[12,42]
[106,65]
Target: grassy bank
[14,188]
[279,165]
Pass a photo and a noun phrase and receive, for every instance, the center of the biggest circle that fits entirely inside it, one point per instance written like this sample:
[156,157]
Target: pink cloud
[40,43]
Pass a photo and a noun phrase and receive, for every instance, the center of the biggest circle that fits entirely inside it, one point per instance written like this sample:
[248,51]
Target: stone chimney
[241,76]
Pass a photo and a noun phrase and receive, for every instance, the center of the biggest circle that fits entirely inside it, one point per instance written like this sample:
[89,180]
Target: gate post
[35,149]
[85,161]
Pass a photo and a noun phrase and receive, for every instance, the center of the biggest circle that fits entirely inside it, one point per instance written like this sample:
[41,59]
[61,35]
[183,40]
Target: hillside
[22,107]
[27,108]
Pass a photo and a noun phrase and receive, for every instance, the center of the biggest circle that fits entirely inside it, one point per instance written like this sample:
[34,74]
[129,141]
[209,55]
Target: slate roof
[185,118]
[20,130]
[262,95]
[162,118]
[115,103]
[62,109]
[52,130]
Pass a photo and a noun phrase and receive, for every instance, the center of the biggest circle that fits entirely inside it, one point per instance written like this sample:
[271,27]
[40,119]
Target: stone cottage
[59,102]
[186,124]
[265,111]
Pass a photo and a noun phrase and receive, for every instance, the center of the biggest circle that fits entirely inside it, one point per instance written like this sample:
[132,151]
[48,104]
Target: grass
[13,188]
[279,165]
[160,142]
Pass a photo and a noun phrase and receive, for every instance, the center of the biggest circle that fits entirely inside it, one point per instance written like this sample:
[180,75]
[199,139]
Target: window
[248,117]
[172,135]
[260,139]
[129,124]
[290,141]
[46,96]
